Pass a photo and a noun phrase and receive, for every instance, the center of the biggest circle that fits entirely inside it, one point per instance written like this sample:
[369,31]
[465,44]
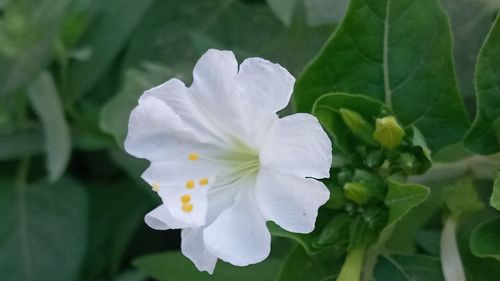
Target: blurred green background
[71,200]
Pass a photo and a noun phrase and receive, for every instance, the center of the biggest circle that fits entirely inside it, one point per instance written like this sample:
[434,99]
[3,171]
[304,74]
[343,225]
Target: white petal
[161,219]
[193,247]
[239,235]
[175,94]
[216,94]
[290,201]
[155,132]
[180,179]
[264,85]
[297,145]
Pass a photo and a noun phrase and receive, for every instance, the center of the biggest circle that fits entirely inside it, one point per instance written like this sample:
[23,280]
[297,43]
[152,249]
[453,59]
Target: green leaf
[43,231]
[461,198]
[301,266]
[116,112]
[378,52]
[173,266]
[28,31]
[408,268]
[283,9]
[485,239]
[20,145]
[400,199]
[118,18]
[495,197]
[45,102]
[327,110]
[481,138]
[105,252]
[325,11]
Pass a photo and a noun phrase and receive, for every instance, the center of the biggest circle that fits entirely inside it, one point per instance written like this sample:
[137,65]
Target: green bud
[388,132]
[358,126]
[357,192]
[408,163]
[374,159]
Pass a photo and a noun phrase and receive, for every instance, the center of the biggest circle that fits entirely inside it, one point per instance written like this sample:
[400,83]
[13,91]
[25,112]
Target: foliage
[413,191]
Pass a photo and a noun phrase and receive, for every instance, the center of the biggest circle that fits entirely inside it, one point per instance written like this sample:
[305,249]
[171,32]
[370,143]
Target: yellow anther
[155,186]
[187,207]
[204,181]
[190,184]
[185,198]
[193,156]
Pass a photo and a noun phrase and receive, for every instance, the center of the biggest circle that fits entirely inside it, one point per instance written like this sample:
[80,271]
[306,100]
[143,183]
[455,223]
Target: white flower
[223,163]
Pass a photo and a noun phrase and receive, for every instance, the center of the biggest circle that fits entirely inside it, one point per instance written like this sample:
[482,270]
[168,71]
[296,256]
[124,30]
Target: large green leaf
[485,239]
[408,268]
[28,31]
[495,197]
[301,266]
[400,199]
[106,38]
[43,231]
[45,101]
[398,52]
[173,266]
[482,137]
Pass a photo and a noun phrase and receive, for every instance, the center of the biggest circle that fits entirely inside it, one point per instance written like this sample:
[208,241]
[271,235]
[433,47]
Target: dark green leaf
[485,239]
[43,231]
[495,196]
[377,51]
[106,38]
[400,199]
[20,145]
[408,268]
[45,101]
[482,138]
[173,266]
[283,9]
[302,266]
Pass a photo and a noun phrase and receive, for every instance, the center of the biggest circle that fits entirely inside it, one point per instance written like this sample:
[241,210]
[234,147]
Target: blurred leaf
[495,197]
[131,275]
[116,112]
[378,52]
[325,11]
[172,31]
[106,38]
[111,225]
[20,145]
[173,266]
[408,268]
[461,198]
[481,137]
[485,239]
[28,31]
[283,9]
[400,199]
[301,266]
[43,231]
[45,102]
[327,107]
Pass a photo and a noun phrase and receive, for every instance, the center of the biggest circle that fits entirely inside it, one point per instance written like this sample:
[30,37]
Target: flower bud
[388,132]
[358,126]
[408,163]
[357,192]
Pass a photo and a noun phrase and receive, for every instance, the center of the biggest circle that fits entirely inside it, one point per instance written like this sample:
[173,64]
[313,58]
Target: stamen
[187,207]
[190,184]
[185,198]
[155,186]
[204,181]
[193,156]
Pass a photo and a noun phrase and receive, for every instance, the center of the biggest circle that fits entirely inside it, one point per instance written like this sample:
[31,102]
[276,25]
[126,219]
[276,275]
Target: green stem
[351,270]
[453,269]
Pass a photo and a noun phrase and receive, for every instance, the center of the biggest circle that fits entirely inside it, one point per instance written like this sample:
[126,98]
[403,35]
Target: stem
[351,270]
[450,257]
